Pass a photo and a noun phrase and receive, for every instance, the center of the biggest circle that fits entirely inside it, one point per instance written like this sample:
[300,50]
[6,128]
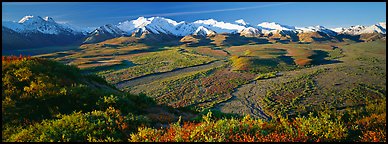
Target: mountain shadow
[342,37]
[237,40]
[319,58]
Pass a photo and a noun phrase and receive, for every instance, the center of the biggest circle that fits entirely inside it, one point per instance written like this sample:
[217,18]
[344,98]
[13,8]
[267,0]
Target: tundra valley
[157,79]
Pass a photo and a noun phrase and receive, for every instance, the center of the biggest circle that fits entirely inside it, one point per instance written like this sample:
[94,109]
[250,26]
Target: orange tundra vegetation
[323,126]
[14,58]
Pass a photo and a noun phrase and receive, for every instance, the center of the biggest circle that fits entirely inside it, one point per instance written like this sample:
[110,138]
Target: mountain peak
[142,21]
[219,27]
[320,27]
[376,28]
[26,18]
[48,19]
[250,32]
[382,24]
[140,18]
[269,23]
[31,19]
[275,26]
[202,31]
[162,19]
[359,29]
[241,21]
[357,26]
[45,25]
[208,22]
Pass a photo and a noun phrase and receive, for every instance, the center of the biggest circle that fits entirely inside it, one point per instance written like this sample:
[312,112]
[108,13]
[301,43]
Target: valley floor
[156,76]
[263,92]
[312,76]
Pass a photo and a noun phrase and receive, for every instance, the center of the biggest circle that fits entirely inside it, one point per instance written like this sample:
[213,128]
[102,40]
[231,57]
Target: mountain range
[36,31]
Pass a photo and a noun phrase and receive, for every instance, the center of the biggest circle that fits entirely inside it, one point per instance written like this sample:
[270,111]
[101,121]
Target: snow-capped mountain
[241,22]
[165,26]
[157,25]
[382,24]
[160,25]
[129,26]
[277,30]
[110,29]
[37,24]
[142,26]
[358,29]
[352,30]
[219,27]
[83,30]
[202,31]
[103,33]
[250,32]
[269,26]
[35,31]
[316,29]
[376,28]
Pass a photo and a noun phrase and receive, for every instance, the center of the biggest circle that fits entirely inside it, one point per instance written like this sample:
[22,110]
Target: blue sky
[300,14]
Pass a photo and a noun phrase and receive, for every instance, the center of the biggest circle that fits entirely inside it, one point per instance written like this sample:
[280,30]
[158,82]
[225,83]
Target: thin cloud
[205,11]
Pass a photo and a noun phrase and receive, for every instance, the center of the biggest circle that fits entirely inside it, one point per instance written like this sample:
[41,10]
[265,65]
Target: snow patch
[241,21]
[25,18]
[275,26]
